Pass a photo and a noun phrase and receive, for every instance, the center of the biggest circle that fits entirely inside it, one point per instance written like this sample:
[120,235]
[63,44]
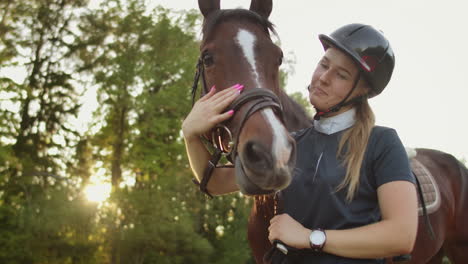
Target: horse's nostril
[256,156]
[252,151]
[259,167]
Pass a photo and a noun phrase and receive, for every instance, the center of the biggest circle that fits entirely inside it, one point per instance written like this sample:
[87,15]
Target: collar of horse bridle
[345,102]
[255,99]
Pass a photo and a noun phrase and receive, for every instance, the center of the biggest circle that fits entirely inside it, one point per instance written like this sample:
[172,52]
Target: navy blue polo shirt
[313,199]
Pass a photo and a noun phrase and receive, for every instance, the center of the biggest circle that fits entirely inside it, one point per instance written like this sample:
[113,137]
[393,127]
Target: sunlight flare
[97,192]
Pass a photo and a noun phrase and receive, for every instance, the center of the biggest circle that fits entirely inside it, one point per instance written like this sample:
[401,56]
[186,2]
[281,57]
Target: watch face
[317,237]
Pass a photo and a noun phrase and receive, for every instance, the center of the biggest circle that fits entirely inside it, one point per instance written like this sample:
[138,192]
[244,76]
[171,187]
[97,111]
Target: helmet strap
[319,113]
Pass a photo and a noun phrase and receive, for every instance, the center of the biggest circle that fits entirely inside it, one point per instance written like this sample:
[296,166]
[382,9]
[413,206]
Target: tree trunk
[118,147]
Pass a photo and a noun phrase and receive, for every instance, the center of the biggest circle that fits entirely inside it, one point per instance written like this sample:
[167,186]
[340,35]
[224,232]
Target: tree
[143,70]
[36,205]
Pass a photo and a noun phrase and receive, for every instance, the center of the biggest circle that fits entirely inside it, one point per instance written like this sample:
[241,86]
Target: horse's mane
[223,15]
[295,117]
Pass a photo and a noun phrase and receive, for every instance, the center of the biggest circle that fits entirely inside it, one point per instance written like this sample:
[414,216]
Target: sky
[427,99]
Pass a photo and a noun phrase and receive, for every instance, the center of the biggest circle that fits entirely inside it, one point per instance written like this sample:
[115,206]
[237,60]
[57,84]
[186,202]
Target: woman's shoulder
[381,129]
[383,132]
[382,138]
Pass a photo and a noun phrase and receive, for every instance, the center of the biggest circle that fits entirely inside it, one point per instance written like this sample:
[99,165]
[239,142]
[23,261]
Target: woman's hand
[208,111]
[283,227]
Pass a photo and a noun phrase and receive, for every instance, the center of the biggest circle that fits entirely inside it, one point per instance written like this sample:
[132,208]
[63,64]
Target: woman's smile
[319,92]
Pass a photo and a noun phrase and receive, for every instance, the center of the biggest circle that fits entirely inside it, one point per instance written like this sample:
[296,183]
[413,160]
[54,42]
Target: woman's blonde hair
[353,145]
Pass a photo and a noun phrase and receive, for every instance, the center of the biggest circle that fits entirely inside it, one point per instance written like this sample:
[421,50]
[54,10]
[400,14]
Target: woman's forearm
[382,239]
[378,240]
[222,179]
[198,155]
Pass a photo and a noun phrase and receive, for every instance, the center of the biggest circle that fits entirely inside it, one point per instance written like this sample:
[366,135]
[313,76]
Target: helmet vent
[354,31]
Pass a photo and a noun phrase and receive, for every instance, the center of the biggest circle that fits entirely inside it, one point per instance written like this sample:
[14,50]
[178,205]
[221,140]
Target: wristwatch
[317,239]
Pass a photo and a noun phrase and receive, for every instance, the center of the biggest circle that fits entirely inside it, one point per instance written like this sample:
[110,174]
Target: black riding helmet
[369,48]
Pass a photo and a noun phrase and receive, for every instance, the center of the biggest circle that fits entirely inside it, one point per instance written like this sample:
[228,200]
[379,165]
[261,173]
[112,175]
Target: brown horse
[449,219]
[237,48]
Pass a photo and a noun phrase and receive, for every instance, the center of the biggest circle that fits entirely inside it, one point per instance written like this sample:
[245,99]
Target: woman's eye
[342,76]
[323,65]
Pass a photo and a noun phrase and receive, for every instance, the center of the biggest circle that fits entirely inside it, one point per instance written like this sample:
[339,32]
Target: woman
[353,198]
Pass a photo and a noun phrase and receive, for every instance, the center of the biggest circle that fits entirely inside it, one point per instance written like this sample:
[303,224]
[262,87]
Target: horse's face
[237,48]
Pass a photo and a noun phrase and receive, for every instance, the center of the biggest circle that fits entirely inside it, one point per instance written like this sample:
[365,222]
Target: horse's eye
[281,59]
[208,59]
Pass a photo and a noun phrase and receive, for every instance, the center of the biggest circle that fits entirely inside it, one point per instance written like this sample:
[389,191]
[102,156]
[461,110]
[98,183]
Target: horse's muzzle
[258,171]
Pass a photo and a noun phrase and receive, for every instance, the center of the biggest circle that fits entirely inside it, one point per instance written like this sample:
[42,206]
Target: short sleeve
[390,161]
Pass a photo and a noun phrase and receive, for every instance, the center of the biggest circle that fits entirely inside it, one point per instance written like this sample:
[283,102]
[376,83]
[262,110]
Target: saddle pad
[431,193]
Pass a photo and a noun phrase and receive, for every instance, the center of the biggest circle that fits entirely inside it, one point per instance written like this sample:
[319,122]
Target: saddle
[429,188]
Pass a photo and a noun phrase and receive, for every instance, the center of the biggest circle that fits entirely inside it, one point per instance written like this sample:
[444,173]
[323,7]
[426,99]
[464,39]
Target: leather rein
[254,99]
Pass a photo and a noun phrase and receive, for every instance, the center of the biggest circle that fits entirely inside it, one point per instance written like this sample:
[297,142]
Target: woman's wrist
[187,134]
[306,243]
[190,137]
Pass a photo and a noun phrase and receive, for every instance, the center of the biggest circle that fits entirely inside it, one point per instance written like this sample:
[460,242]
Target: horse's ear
[208,6]
[262,7]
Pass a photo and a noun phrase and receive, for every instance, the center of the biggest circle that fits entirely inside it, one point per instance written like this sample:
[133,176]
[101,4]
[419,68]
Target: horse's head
[237,48]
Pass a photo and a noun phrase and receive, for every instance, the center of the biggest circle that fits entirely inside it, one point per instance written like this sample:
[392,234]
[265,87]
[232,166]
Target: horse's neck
[295,117]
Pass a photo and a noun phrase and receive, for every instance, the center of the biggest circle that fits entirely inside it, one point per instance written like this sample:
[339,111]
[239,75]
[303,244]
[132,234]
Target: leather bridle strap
[260,98]
[208,172]
[199,72]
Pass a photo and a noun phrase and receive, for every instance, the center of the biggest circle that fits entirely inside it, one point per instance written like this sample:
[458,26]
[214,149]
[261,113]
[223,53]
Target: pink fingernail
[212,88]
[231,112]
[240,87]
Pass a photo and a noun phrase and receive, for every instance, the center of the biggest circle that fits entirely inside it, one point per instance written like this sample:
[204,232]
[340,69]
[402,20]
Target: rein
[254,99]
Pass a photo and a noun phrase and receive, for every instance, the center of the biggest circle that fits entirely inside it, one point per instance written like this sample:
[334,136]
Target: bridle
[254,99]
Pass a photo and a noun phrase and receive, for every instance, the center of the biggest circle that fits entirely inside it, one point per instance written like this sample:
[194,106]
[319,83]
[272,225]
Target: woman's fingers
[226,93]
[224,116]
[209,94]
[226,99]
[220,100]
[210,110]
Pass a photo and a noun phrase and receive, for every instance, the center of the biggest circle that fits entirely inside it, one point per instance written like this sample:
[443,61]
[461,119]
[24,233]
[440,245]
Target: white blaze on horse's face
[280,147]
[246,41]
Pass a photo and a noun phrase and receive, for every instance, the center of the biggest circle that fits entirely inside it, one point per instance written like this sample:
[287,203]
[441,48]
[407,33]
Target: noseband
[254,99]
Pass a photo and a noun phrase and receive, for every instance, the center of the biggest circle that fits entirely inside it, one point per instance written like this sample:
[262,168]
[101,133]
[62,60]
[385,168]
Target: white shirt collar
[331,125]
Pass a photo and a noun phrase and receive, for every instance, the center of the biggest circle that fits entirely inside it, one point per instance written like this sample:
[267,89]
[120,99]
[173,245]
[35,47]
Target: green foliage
[304,102]
[225,224]
[12,249]
[285,71]
[142,63]
[50,227]
[445,260]
[43,223]
[151,227]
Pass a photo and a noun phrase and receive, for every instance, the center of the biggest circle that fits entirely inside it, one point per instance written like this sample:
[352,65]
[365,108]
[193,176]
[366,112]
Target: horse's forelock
[220,16]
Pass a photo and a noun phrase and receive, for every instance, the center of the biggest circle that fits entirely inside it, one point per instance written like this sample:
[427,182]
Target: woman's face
[332,80]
